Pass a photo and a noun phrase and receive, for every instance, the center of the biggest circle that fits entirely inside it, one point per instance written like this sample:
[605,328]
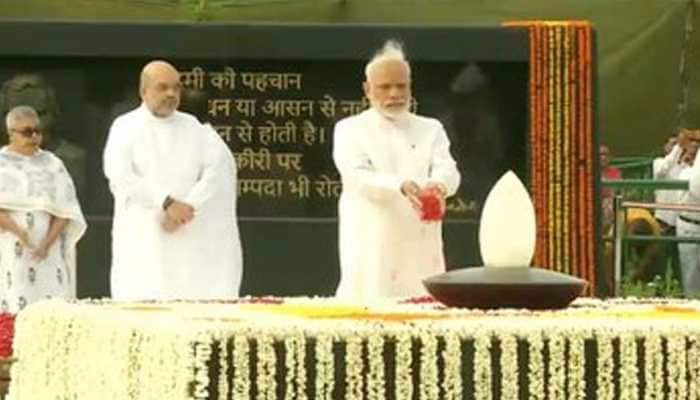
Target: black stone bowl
[513,287]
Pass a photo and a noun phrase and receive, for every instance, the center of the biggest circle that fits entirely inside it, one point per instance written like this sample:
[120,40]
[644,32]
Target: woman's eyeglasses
[28,132]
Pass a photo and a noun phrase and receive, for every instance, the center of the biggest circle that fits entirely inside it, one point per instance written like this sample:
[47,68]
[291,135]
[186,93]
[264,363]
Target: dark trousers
[671,250]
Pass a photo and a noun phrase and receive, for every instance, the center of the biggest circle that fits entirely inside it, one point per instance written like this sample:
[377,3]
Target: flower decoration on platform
[274,351]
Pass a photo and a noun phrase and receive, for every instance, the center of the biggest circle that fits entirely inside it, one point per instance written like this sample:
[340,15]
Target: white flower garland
[535,368]
[482,366]
[694,367]
[605,389]
[202,354]
[428,386]
[290,364]
[324,367]
[676,356]
[375,377]
[452,360]
[241,368]
[353,368]
[509,366]
[266,368]
[301,366]
[403,360]
[223,366]
[629,383]
[556,366]
[653,371]
[164,350]
[576,384]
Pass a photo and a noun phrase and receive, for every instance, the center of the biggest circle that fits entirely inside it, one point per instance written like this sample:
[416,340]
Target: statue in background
[33,90]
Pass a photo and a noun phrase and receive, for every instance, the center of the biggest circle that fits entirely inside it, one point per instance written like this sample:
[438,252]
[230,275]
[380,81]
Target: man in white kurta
[386,157]
[688,222]
[668,167]
[174,234]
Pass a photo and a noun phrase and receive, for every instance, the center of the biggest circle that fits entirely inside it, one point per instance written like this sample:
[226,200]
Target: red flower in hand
[7,330]
[431,205]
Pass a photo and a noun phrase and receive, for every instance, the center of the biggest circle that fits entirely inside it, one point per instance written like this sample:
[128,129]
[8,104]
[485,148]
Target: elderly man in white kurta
[386,157]
[174,234]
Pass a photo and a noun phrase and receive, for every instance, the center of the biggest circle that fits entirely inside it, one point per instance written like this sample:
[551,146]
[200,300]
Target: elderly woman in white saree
[40,218]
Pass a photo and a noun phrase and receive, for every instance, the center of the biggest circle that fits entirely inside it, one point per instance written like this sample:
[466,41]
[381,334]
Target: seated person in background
[40,218]
[643,260]
[606,170]
[646,260]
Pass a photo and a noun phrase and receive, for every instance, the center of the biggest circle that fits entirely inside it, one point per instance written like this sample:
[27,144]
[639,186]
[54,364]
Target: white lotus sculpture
[507,231]
[507,236]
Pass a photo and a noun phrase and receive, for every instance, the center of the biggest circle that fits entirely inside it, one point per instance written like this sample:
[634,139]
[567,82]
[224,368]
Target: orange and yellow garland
[561,145]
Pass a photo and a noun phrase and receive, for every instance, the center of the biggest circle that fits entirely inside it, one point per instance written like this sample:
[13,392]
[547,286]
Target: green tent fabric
[639,42]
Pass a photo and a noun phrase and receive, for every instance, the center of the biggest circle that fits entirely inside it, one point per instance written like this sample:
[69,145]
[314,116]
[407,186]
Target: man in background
[609,173]
[688,222]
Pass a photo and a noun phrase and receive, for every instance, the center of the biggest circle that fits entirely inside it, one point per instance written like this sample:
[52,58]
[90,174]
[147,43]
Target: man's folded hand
[180,212]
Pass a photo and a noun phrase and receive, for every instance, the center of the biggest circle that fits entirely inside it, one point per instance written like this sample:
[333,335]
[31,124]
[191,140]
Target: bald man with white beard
[175,234]
[387,156]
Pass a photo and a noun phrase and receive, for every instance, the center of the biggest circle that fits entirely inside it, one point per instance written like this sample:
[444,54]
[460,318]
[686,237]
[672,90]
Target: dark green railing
[634,167]
[620,238]
[646,184]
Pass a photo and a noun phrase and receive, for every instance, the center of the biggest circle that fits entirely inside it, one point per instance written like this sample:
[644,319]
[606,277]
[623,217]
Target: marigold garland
[552,134]
[561,145]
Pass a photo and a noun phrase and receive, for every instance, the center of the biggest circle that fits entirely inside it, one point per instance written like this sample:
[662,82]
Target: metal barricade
[621,238]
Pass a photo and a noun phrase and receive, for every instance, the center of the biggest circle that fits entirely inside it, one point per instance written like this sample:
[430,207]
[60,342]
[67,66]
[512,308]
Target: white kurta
[668,167]
[385,249]
[32,190]
[146,159]
[688,224]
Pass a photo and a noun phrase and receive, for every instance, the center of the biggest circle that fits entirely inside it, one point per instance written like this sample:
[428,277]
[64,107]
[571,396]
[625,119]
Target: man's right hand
[180,212]
[411,190]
